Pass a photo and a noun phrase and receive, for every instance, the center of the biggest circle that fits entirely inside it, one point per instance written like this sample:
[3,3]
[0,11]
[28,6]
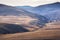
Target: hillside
[50,32]
[41,34]
[51,11]
[13,15]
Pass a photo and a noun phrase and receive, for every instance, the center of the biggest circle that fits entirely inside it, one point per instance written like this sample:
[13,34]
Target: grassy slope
[41,34]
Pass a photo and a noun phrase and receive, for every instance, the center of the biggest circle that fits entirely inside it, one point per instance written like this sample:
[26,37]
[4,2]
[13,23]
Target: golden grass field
[37,35]
[50,32]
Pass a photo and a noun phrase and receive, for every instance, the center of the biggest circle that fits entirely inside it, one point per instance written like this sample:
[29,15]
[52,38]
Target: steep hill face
[12,15]
[51,11]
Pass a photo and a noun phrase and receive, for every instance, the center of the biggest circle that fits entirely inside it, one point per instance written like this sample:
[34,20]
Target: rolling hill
[50,32]
[51,11]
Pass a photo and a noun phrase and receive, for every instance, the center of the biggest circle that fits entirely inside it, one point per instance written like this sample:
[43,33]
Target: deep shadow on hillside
[11,28]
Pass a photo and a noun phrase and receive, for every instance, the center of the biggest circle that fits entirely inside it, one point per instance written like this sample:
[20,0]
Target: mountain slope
[27,8]
[12,12]
[51,11]
[12,15]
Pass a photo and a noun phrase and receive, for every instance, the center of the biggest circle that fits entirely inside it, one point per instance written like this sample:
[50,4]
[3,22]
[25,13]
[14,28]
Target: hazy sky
[27,2]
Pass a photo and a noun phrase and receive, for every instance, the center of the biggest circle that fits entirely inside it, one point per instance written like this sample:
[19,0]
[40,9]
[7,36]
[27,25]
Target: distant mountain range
[25,7]
[51,11]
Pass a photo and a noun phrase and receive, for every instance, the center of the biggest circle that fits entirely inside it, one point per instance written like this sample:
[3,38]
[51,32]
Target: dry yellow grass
[37,35]
[45,33]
